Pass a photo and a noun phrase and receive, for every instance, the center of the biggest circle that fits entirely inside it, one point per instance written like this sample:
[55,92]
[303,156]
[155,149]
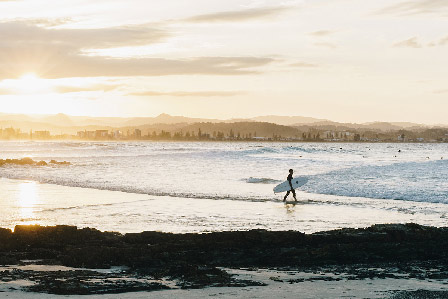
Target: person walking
[289,179]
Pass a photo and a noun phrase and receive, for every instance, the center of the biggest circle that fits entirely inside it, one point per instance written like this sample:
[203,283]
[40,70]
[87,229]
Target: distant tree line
[244,131]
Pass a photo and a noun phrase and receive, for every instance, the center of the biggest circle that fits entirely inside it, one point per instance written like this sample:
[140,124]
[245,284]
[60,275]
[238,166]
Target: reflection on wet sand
[27,201]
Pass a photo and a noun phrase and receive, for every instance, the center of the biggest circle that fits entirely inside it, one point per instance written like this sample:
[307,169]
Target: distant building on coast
[81,134]
[92,134]
[41,134]
[117,134]
[101,134]
[10,133]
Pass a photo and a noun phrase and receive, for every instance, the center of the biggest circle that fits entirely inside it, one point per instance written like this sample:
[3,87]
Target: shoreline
[86,207]
[153,261]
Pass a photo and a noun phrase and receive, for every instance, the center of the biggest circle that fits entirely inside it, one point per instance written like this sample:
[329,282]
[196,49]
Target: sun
[30,83]
[29,77]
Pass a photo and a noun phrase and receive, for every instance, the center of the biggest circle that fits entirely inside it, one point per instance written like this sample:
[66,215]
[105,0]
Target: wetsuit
[289,179]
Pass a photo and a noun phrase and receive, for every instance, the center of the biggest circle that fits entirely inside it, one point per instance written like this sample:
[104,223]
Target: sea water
[209,186]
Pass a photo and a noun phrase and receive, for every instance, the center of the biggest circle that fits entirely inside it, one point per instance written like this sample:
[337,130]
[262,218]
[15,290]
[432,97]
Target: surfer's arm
[290,184]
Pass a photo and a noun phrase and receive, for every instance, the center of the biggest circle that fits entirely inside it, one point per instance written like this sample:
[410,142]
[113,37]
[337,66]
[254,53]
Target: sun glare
[29,77]
[30,83]
[28,198]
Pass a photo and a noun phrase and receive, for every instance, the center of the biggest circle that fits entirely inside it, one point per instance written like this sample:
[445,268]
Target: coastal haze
[145,138]
[181,128]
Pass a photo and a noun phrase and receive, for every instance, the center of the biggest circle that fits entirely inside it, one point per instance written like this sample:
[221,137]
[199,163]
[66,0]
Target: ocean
[213,186]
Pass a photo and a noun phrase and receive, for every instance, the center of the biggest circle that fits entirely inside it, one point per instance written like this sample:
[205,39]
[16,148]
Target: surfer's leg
[287,193]
[294,194]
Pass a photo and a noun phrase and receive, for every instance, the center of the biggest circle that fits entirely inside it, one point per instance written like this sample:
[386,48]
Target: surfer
[289,179]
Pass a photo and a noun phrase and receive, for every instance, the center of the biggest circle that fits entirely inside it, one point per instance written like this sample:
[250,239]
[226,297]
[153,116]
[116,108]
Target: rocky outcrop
[92,248]
[193,258]
[29,161]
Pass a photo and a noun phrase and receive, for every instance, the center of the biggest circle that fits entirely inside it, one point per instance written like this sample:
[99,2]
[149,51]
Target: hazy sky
[344,60]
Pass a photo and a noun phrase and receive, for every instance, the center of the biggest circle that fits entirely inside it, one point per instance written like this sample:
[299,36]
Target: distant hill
[378,126]
[59,119]
[166,119]
[388,126]
[286,120]
[15,117]
[62,123]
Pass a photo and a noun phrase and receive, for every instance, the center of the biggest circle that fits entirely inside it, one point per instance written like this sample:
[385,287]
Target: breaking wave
[411,181]
[252,180]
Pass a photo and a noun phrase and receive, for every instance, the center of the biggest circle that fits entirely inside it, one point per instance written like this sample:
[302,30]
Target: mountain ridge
[63,122]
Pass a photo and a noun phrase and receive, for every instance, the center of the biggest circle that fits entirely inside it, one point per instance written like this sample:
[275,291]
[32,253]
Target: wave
[252,180]
[293,150]
[340,172]
[411,181]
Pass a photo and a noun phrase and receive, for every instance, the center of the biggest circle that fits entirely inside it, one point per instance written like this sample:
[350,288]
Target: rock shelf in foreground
[194,260]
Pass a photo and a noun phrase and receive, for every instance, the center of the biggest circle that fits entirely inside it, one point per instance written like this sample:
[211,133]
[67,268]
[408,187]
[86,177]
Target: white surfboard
[296,183]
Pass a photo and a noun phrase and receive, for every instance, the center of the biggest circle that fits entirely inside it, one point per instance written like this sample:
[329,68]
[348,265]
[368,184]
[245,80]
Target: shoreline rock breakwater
[196,260]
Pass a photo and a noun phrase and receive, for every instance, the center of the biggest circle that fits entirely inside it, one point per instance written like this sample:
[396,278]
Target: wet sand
[28,202]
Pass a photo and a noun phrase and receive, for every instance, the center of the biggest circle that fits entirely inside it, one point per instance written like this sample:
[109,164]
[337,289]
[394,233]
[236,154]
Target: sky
[343,60]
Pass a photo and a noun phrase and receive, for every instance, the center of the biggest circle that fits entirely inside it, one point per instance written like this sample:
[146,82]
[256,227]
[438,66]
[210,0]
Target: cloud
[21,32]
[45,22]
[326,45]
[417,7]
[238,15]
[441,91]
[4,91]
[188,93]
[321,33]
[58,53]
[414,43]
[408,43]
[303,64]
[443,41]
[86,66]
[97,87]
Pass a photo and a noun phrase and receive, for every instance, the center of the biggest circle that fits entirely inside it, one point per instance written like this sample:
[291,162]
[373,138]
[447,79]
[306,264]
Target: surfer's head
[291,171]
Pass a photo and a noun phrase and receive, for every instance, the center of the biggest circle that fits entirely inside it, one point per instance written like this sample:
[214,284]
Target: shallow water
[184,187]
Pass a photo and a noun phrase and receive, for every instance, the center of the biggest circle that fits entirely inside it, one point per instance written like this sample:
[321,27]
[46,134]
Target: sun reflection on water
[27,201]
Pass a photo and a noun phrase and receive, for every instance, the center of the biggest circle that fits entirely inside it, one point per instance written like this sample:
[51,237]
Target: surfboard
[296,183]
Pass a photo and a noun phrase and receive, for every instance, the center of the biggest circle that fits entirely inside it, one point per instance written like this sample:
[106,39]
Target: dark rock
[420,294]
[29,161]
[255,248]
[24,161]
[192,259]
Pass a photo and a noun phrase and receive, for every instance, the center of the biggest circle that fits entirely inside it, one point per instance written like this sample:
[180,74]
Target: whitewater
[209,186]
